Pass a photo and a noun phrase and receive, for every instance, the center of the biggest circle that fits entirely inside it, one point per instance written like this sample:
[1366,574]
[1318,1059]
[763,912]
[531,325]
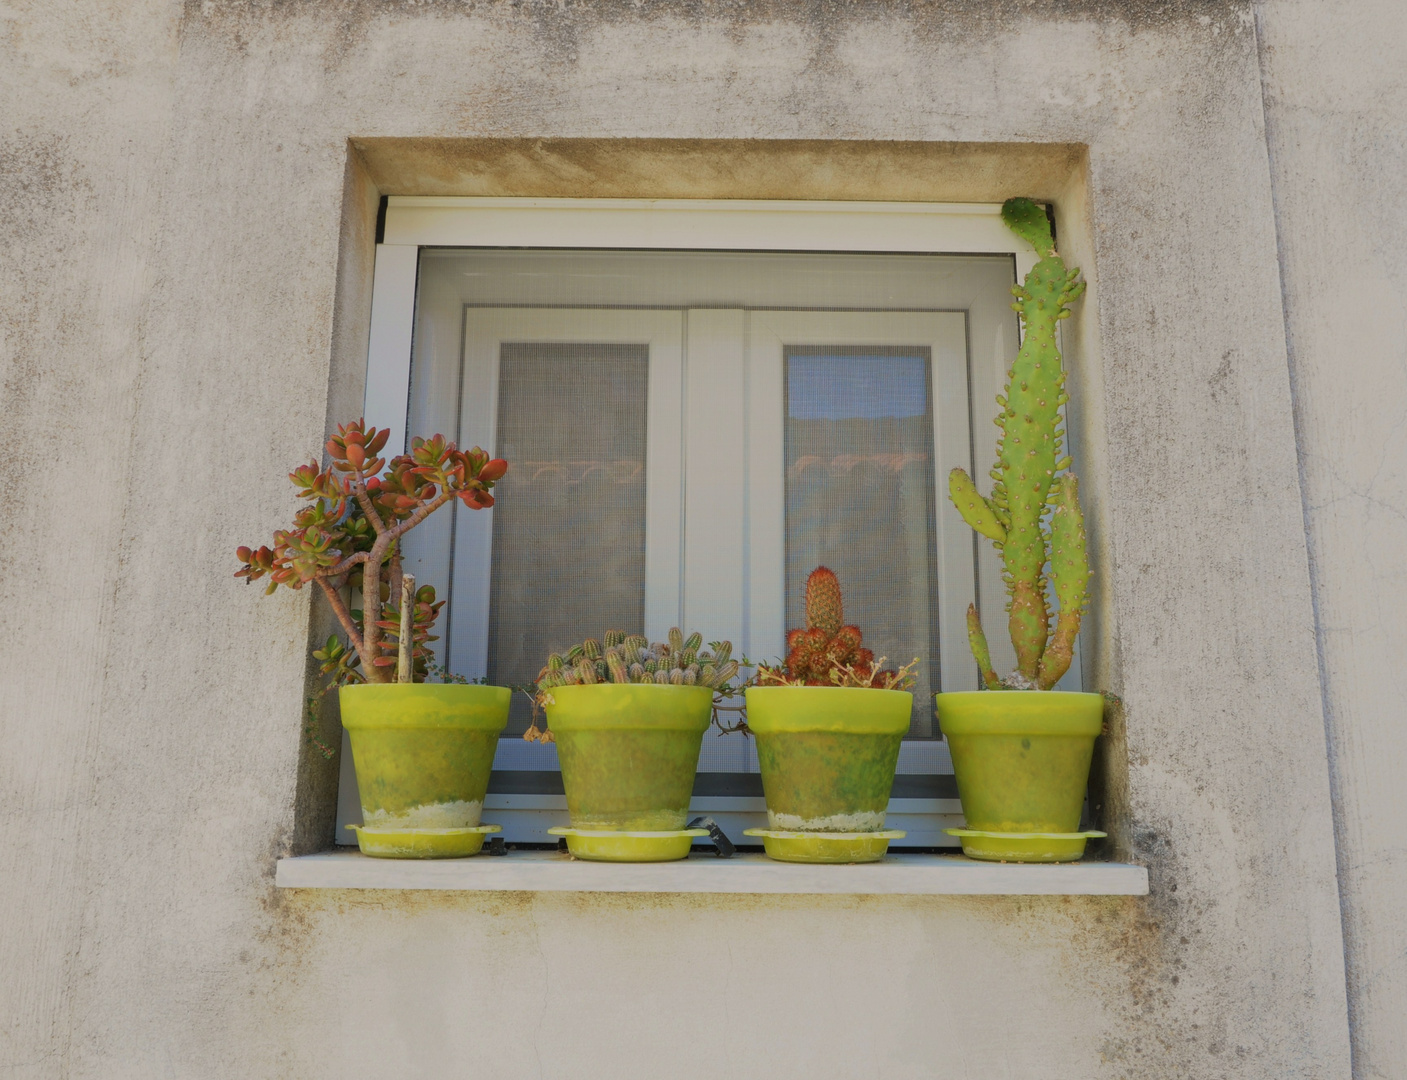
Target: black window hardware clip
[724,848]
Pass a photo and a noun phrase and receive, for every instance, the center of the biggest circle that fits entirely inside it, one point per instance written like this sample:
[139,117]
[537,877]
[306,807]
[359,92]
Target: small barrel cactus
[619,672]
[1033,514]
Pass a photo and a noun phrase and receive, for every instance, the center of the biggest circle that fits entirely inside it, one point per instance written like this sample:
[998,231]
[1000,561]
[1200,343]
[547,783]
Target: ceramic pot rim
[1020,712]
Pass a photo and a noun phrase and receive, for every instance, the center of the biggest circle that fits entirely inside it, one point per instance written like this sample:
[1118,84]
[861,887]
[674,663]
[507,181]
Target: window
[699,403]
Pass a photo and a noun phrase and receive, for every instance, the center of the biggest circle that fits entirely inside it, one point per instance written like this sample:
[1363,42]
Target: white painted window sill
[550,871]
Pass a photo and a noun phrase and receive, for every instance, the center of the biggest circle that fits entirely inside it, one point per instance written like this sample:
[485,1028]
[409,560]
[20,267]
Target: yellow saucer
[1023,846]
[602,845]
[422,843]
[819,847]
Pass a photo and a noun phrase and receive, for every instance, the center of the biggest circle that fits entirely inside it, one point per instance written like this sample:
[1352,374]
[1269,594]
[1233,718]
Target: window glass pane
[860,497]
[569,524]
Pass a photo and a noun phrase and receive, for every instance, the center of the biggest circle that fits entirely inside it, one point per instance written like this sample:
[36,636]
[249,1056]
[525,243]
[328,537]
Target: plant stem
[405,669]
[339,608]
[371,579]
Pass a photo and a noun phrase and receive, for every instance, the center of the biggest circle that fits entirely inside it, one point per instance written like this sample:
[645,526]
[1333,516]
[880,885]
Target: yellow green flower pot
[827,756]
[1022,761]
[629,752]
[423,753]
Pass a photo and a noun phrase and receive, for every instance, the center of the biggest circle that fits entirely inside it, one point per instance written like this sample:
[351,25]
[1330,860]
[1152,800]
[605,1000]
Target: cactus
[628,658]
[825,608]
[1031,479]
[723,674]
[618,670]
[827,652]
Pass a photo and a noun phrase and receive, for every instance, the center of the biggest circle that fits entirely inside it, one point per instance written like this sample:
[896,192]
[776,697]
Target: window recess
[699,403]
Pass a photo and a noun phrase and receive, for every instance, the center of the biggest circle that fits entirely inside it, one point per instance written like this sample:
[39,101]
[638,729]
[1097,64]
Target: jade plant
[1033,514]
[349,535]
[619,657]
[828,652]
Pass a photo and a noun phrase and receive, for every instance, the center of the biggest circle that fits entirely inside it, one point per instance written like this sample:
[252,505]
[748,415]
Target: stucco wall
[186,263]
[1336,98]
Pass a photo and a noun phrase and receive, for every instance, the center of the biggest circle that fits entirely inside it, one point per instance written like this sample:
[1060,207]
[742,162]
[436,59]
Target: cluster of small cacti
[828,652]
[630,658]
[1030,478]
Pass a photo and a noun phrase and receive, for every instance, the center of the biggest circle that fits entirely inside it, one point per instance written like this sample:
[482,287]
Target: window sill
[549,871]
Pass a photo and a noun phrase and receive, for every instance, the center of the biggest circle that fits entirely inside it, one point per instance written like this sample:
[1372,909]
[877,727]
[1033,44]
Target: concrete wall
[1335,101]
[185,202]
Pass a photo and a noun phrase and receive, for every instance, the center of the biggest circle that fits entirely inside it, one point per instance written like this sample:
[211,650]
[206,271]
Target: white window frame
[412,222]
[662,331]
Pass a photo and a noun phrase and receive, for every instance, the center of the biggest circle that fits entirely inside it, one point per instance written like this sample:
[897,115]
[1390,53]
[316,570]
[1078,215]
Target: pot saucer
[821,847]
[1024,846]
[604,845]
[422,843]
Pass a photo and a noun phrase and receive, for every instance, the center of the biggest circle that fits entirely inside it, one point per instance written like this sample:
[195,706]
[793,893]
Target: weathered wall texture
[1336,98]
[178,204]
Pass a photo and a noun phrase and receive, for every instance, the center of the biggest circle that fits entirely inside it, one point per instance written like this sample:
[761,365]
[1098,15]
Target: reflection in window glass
[569,526]
[860,498]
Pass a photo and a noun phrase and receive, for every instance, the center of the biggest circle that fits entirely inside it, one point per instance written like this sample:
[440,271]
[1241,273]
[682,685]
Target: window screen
[569,528]
[860,497]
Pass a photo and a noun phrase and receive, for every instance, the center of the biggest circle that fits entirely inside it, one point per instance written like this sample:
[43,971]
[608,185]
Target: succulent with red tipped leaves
[349,534]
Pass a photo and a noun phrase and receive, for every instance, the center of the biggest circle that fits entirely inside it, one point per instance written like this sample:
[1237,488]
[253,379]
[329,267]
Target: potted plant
[628,719]
[422,751]
[828,724]
[1021,750]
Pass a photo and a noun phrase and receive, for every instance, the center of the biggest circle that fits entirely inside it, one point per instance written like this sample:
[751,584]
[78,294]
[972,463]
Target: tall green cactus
[1030,477]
